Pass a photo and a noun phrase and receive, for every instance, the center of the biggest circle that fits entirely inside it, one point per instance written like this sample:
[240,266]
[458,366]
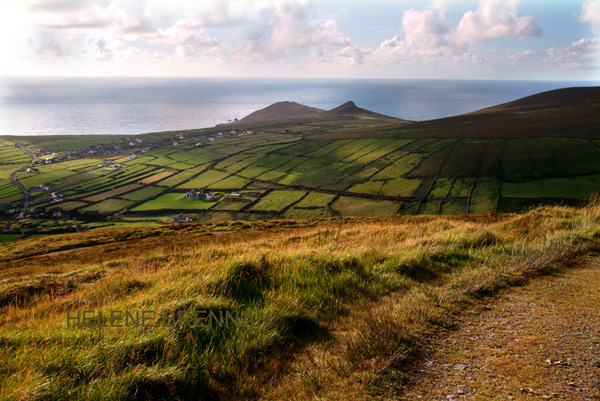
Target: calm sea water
[47,106]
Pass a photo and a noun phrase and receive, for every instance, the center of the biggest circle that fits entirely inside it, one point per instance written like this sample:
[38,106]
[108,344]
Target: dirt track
[540,341]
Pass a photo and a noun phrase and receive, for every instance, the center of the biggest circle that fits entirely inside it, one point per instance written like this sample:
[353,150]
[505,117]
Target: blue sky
[465,39]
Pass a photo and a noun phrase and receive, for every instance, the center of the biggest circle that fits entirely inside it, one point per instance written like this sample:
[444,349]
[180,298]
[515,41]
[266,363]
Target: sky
[399,39]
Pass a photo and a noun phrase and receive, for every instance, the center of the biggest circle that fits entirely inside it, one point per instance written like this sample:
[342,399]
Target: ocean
[126,106]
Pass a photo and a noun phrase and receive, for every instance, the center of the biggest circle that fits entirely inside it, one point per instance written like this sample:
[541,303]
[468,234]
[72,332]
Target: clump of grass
[246,280]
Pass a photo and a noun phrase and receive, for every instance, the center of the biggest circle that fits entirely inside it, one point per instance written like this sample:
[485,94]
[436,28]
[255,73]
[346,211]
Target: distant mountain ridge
[281,110]
[296,112]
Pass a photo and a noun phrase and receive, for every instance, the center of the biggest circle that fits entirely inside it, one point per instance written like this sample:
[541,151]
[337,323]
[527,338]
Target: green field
[350,206]
[108,205]
[204,180]
[143,194]
[455,165]
[577,187]
[278,200]
[173,200]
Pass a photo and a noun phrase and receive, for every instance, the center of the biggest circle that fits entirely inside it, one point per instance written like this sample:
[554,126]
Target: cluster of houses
[180,218]
[57,197]
[191,194]
[114,167]
[108,150]
[132,143]
[9,207]
[41,188]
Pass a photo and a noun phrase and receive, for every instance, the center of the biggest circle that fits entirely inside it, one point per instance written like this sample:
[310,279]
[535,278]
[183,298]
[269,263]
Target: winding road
[13,178]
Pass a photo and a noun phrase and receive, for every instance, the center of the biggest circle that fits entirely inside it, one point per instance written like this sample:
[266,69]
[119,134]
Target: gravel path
[535,342]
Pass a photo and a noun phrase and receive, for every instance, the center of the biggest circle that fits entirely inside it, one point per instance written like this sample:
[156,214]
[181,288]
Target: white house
[191,194]
[133,156]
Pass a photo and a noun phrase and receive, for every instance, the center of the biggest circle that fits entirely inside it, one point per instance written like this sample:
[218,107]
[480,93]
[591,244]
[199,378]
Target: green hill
[294,161]
[281,110]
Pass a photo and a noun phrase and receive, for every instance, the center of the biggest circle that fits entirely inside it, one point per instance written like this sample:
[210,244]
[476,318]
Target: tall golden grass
[348,302]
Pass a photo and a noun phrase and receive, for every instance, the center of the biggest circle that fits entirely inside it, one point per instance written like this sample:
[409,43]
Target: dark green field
[544,149]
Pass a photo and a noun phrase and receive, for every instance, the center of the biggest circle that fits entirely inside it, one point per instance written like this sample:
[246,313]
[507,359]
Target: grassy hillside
[280,111]
[544,149]
[333,310]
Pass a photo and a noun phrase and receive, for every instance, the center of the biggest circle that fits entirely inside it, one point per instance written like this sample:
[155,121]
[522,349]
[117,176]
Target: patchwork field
[411,169]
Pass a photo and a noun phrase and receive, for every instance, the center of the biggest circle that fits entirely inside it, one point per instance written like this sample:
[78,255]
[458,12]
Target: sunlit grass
[346,301]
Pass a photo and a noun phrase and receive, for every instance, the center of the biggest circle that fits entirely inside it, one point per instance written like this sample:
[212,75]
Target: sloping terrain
[329,301]
[544,149]
[280,111]
[570,113]
[242,311]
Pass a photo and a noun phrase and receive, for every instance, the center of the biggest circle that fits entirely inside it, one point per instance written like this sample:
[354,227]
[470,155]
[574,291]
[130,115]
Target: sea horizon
[136,105]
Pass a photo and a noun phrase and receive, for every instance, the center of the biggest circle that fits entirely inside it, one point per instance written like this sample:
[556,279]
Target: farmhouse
[115,167]
[211,139]
[133,156]
[180,218]
[191,194]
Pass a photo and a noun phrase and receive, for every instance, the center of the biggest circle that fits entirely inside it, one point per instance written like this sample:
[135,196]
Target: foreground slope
[333,310]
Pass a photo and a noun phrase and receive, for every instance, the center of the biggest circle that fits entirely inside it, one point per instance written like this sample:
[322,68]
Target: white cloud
[590,13]
[584,53]
[290,36]
[286,37]
[427,40]
[496,19]
[62,5]
[295,25]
